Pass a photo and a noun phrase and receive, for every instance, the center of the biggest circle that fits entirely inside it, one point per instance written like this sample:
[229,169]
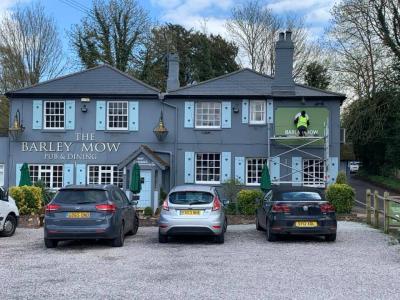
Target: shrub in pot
[341,196]
[27,198]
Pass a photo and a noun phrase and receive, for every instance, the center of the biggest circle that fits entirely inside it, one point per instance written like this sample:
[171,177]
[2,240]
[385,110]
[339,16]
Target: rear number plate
[78,215]
[190,212]
[306,224]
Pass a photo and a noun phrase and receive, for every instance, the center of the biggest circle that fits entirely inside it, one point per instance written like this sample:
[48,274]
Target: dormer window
[208,115]
[54,114]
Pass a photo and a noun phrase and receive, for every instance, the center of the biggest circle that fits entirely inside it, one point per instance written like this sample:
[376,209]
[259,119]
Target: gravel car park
[363,263]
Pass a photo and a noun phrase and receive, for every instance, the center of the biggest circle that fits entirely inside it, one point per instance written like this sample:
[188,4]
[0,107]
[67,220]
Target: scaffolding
[301,146]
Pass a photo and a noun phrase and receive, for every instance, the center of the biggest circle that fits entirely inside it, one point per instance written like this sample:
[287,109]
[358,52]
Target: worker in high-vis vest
[302,122]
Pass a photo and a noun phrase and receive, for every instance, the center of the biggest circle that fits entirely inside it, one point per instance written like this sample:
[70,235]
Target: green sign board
[394,210]
[285,127]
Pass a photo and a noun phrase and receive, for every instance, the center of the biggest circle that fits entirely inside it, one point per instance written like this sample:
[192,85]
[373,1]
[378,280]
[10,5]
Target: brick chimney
[284,49]
[173,72]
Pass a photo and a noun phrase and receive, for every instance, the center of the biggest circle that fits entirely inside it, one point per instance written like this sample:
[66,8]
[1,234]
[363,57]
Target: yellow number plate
[306,224]
[190,212]
[78,215]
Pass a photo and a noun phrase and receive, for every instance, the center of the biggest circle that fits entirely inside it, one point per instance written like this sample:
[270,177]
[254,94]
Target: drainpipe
[175,139]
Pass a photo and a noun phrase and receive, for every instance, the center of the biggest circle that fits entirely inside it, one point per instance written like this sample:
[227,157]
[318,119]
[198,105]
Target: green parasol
[25,178]
[265,179]
[136,184]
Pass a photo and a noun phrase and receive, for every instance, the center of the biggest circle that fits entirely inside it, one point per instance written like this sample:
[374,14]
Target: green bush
[27,198]
[247,201]
[148,211]
[341,196]
[341,178]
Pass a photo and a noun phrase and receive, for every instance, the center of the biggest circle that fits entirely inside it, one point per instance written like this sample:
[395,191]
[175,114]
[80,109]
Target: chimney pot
[288,35]
[281,36]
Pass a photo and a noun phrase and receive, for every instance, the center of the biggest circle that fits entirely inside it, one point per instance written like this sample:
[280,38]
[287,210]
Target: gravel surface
[363,263]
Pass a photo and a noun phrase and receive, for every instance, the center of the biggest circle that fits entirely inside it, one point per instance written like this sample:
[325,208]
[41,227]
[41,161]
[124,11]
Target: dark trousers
[302,130]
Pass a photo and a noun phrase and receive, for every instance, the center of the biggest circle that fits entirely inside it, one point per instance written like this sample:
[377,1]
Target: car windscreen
[80,196]
[299,196]
[190,197]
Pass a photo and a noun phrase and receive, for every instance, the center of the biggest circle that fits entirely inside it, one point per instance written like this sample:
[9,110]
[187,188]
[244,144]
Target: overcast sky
[189,13]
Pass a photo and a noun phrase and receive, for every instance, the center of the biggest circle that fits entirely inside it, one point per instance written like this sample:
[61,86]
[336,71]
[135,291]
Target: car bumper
[213,225]
[79,233]
[325,226]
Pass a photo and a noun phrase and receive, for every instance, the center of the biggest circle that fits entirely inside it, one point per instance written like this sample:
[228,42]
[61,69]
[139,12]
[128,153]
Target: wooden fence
[373,210]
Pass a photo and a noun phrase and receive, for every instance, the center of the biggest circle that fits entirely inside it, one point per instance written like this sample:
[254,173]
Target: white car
[354,166]
[9,214]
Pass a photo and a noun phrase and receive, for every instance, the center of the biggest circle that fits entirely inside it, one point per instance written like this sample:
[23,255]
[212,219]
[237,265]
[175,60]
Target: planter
[241,219]
[30,221]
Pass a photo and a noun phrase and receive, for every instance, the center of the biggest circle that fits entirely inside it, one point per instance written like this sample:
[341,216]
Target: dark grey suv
[80,212]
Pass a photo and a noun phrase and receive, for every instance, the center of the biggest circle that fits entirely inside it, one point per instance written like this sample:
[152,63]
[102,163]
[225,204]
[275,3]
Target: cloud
[196,13]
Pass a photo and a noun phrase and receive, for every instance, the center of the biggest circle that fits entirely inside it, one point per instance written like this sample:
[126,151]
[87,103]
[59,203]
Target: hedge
[341,196]
[27,198]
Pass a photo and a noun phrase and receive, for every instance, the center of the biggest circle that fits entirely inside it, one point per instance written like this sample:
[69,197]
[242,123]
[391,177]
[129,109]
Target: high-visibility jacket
[302,121]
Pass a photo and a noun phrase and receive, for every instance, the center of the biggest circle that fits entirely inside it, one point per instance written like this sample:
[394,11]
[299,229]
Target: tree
[112,33]
[30,49]
[255,29]
[386,21]
[316,75]
[201,56]
[360,61]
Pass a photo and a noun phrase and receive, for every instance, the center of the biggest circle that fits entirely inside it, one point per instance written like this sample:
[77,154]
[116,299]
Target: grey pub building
[91,127]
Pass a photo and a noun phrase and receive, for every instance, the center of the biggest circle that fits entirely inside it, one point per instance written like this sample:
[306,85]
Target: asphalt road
[360,187]
[363,263]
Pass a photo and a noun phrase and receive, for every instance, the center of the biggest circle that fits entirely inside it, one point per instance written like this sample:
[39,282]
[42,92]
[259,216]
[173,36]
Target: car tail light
[52,208]
[281,208]
[327,208]
[216,204]
[165,204]
[110,207]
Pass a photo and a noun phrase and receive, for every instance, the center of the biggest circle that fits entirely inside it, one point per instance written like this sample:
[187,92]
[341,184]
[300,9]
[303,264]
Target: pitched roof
[103,79]
[150,153]
[245,82]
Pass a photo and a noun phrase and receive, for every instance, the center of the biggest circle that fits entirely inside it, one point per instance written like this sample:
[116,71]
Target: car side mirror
[134,202]
[225,202]
[3,195]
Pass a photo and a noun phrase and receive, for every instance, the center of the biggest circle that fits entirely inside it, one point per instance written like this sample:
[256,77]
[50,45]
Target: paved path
[362,264]
[361,186]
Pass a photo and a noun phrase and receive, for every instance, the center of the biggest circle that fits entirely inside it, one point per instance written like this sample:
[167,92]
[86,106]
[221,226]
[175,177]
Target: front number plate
[78,215]
[306,224]
[190,212]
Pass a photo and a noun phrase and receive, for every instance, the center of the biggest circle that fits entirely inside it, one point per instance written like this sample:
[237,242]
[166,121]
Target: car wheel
[258,226]
[50,243]
[271,237]
[135,226]
[119,241]
[162,238]
[220,239]
[330,237]
[9,227]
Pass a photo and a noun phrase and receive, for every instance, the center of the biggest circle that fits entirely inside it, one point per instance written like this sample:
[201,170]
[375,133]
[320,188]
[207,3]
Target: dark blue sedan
[90,212]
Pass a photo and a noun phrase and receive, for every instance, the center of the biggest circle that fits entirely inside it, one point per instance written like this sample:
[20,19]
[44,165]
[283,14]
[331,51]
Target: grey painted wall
[241,140]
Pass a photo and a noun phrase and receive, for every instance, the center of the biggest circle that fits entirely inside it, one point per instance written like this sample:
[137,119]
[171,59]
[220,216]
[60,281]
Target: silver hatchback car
[192,210]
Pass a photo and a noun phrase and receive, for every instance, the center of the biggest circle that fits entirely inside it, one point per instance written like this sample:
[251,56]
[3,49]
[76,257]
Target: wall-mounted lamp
[84,108]
[235,109]
[160,130]
[17,129]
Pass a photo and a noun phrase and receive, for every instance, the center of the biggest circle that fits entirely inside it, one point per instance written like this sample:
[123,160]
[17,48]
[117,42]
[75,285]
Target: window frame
[45,115]
[111,172]
[264,115]
[41,173]
[311,180]
[208,167]
[108,115]
[207,126]
[247,171]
